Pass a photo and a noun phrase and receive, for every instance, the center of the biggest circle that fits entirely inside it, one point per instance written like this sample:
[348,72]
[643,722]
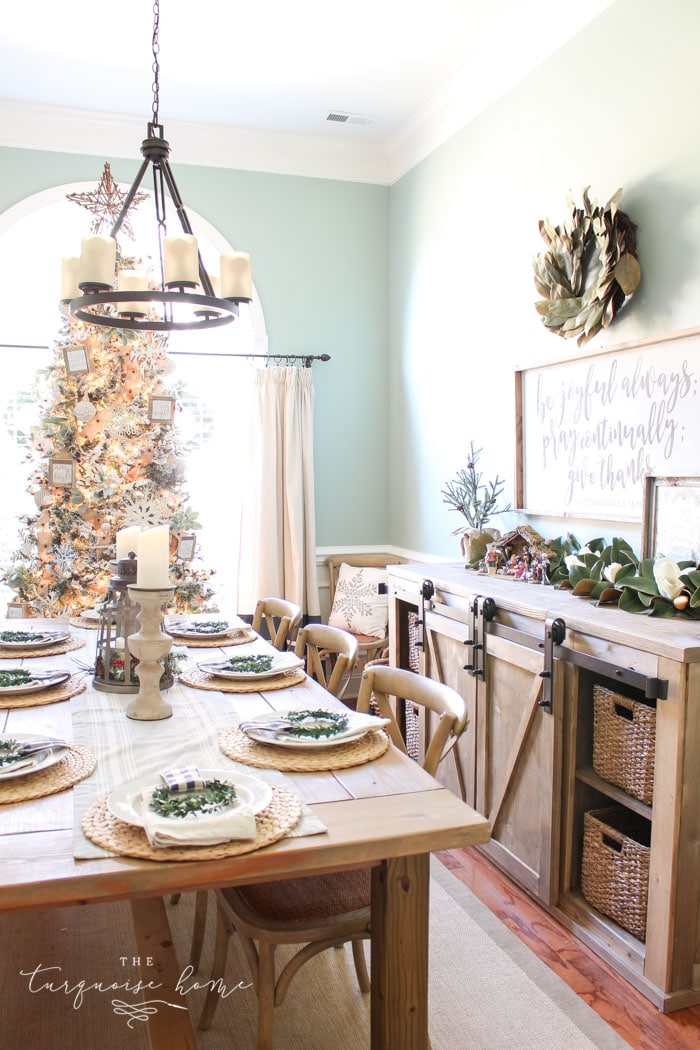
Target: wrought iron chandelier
[97,290]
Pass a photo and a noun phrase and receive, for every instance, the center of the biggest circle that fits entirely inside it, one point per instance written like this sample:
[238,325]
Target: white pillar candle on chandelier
[127,541]
[98,258]
[236,282]
[69,277]
[181,260]
[153,554]
[132,281]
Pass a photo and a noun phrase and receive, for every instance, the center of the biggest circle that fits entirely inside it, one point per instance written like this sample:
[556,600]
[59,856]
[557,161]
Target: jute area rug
[487,990]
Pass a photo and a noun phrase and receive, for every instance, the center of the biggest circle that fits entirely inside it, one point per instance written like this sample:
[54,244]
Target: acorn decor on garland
[589,269]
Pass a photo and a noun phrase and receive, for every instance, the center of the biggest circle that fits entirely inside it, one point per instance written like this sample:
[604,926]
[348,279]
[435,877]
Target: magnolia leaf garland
[589,269]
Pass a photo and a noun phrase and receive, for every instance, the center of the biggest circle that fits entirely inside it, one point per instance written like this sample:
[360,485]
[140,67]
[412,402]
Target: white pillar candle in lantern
[181,258]
[236,282]
[69,277]
[127,540]
[98,258]
[153,553]
[133,281]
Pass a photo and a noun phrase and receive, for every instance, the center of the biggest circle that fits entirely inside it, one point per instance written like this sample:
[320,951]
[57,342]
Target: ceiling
[273,68]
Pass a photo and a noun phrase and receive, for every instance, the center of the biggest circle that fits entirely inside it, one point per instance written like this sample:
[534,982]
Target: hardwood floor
[632,1016]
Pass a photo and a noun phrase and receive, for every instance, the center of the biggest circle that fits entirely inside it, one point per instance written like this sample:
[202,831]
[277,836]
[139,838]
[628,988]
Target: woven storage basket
[413,638]
[615,866]
[624,742]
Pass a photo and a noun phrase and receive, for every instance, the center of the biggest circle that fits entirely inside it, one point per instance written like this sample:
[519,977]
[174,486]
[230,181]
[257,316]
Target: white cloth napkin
[358,722]
[203,830]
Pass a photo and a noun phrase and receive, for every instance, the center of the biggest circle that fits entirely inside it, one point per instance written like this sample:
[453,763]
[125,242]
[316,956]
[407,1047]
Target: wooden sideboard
[527,658]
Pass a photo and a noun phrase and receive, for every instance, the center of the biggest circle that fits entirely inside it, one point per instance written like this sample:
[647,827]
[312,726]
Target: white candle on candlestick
[153,553]
[236,282]
[127,540]
[69,278]
[98,259]
[181,260]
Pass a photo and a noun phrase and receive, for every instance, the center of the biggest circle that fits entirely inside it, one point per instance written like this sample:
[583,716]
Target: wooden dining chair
[322,911]
[330,654]
[280,617]
[349,610]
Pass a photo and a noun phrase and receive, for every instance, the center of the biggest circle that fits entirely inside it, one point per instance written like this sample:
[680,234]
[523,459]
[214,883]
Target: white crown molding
[434,123]
[27,126]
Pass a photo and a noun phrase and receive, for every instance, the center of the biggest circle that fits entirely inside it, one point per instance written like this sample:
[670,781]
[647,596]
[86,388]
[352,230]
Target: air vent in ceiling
[337,117]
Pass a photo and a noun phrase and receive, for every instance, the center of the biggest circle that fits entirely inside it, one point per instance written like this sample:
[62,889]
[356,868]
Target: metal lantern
[115,665]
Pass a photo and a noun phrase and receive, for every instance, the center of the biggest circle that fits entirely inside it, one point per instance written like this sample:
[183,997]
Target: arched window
[34,235]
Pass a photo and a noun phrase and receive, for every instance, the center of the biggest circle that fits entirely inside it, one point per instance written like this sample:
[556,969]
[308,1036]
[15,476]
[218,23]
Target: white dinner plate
[191,629]
[41,760]
[39,639]
[358,726]
[124,802]
[280,663]
[46,681]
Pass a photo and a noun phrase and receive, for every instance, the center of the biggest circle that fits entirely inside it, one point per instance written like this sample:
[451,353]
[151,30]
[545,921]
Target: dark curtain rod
[306,358]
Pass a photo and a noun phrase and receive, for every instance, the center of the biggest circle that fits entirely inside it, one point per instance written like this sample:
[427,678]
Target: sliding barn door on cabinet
[511,752]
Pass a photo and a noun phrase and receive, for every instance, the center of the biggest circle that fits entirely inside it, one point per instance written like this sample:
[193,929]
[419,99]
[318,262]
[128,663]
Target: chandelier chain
[187,299]
[155,47]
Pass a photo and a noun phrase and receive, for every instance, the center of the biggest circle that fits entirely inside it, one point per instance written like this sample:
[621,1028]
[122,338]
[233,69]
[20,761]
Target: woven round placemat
[48,650]
[201,680]
[75,765]
[241,748]
[272,823]
[84,624]
[237,637]
[70,688]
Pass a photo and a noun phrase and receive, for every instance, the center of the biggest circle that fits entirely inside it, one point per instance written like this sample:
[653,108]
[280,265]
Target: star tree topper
[106,202]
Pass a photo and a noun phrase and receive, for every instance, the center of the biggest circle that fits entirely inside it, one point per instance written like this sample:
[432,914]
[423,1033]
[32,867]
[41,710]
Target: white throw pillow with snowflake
[361,602]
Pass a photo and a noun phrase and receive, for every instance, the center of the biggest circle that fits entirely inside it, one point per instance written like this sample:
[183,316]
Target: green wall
[320,266]
[615,107]
[423,292]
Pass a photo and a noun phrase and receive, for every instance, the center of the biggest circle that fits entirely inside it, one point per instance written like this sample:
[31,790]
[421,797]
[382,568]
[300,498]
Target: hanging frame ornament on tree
[589,269]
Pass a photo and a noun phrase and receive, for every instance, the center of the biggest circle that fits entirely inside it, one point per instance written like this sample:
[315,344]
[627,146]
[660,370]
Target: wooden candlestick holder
[150,645]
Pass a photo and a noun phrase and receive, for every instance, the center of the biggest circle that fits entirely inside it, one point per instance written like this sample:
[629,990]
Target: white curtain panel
[278,525]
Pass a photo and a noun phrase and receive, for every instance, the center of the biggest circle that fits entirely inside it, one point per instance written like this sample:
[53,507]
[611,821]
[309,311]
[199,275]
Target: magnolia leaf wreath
[589,269]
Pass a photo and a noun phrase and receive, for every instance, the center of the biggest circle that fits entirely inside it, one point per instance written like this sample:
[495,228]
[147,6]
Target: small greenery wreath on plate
[13,677]
[315,725]
[215,796]
[589,269]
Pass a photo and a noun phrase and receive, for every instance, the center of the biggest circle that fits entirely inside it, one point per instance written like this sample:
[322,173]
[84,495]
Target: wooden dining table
[386,814]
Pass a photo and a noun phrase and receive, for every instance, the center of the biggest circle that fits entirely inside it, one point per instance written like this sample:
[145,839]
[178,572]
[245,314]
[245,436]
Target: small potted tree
[477,502]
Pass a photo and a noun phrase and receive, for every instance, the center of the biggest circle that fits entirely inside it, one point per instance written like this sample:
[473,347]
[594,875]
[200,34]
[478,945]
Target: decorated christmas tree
[104,456]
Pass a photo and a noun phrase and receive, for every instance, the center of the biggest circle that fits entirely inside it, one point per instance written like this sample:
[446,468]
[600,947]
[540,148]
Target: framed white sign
[61,472]
[186,547]
[671,523]
[77,360]
[592,428]
[161,409]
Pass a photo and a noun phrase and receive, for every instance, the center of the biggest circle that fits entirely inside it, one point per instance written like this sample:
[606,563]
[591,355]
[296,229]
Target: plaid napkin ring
[179,780]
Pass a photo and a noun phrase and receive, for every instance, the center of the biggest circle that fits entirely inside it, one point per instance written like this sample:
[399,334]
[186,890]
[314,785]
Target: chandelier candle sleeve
[69,277]
[236,280]
[181,260]
[132,281]
[153,554]
[98,260]
[127,541]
